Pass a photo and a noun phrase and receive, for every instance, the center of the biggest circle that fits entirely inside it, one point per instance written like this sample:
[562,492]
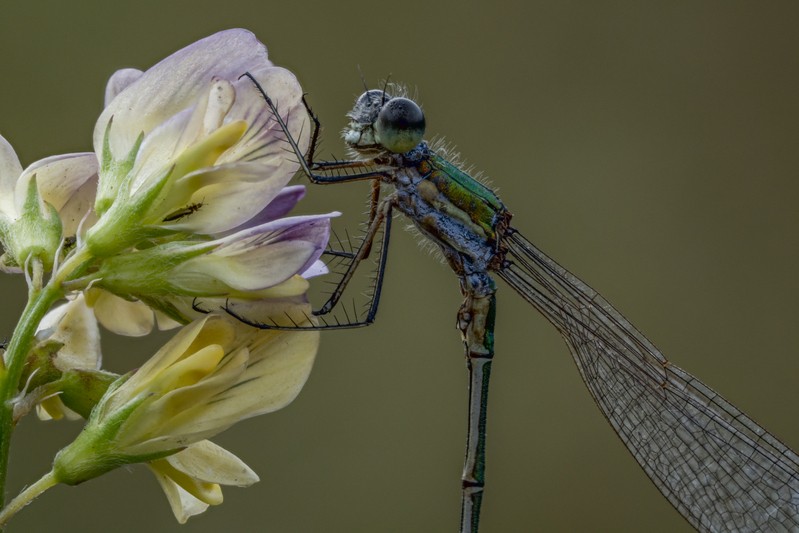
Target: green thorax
[463,197]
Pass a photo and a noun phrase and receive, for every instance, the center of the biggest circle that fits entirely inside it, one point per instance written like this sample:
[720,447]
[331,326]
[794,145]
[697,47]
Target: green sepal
[114,173]
[122,274]
[96,451]
[36,233]
[124,223]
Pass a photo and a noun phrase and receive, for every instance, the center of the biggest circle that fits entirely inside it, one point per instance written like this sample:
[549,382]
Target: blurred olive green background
[650,147]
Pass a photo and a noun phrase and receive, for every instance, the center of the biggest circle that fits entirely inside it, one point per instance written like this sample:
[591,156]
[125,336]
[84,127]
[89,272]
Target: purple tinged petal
[119,81]
[309,228]
[259,257]
[260,267]
[319,268]
[313,229]
[179,100]
[176,83]
[282,204]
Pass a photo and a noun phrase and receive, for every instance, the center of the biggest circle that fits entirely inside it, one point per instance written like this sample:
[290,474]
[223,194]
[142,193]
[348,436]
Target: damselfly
[717,467]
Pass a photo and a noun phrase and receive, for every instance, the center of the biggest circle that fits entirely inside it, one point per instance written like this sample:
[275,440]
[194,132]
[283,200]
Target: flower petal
[123,317]
[53,408]
[264,254]
[208,462]
[150,428]
[74,325]
[191,478]
[280,206]
[318,268]
[67,182]
[260,268]
[165,322]
[10,171]
[159,147]
[280,363]
[58,177]
[79,209]
[230,195]
[119,81]
[193,337]
[265,139]
[183,504]
[176,83]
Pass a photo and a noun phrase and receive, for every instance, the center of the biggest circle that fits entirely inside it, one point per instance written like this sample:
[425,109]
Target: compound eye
[400,125]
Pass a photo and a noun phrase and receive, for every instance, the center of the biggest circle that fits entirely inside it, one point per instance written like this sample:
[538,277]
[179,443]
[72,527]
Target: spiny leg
[378,211]
[374,198]
[374,204]
[476,318]
[317,127]
[376,215]
[383,217]
[312,147]
[308,166]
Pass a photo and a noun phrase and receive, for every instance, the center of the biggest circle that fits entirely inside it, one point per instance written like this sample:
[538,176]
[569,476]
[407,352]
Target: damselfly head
[382,123]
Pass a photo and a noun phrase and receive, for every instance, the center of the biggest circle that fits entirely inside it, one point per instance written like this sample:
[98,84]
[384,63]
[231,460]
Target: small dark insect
[184,212]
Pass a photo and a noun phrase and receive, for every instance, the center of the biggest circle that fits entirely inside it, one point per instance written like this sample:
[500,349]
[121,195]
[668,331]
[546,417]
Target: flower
[185,198]
[191,479]
[74,327]
[213,373]
[187,146]
[192,188]
[42,202]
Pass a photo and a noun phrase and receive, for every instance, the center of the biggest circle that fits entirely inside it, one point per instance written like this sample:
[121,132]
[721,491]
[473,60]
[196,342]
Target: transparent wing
[717,466]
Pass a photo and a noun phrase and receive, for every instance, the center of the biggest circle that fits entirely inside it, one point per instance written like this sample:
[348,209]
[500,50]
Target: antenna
[385,86]
[363,79]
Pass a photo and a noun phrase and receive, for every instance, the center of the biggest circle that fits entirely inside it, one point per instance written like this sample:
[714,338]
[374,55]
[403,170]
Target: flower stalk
[27,496]
[14,361]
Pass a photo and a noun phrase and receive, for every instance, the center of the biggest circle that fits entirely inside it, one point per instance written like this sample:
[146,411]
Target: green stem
[27,496]
[39,302]
[21,343]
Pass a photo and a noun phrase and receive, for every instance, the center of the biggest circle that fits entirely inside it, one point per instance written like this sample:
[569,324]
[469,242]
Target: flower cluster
[185,198]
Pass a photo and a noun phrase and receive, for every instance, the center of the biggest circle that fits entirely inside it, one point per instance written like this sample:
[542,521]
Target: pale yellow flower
[213,373]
